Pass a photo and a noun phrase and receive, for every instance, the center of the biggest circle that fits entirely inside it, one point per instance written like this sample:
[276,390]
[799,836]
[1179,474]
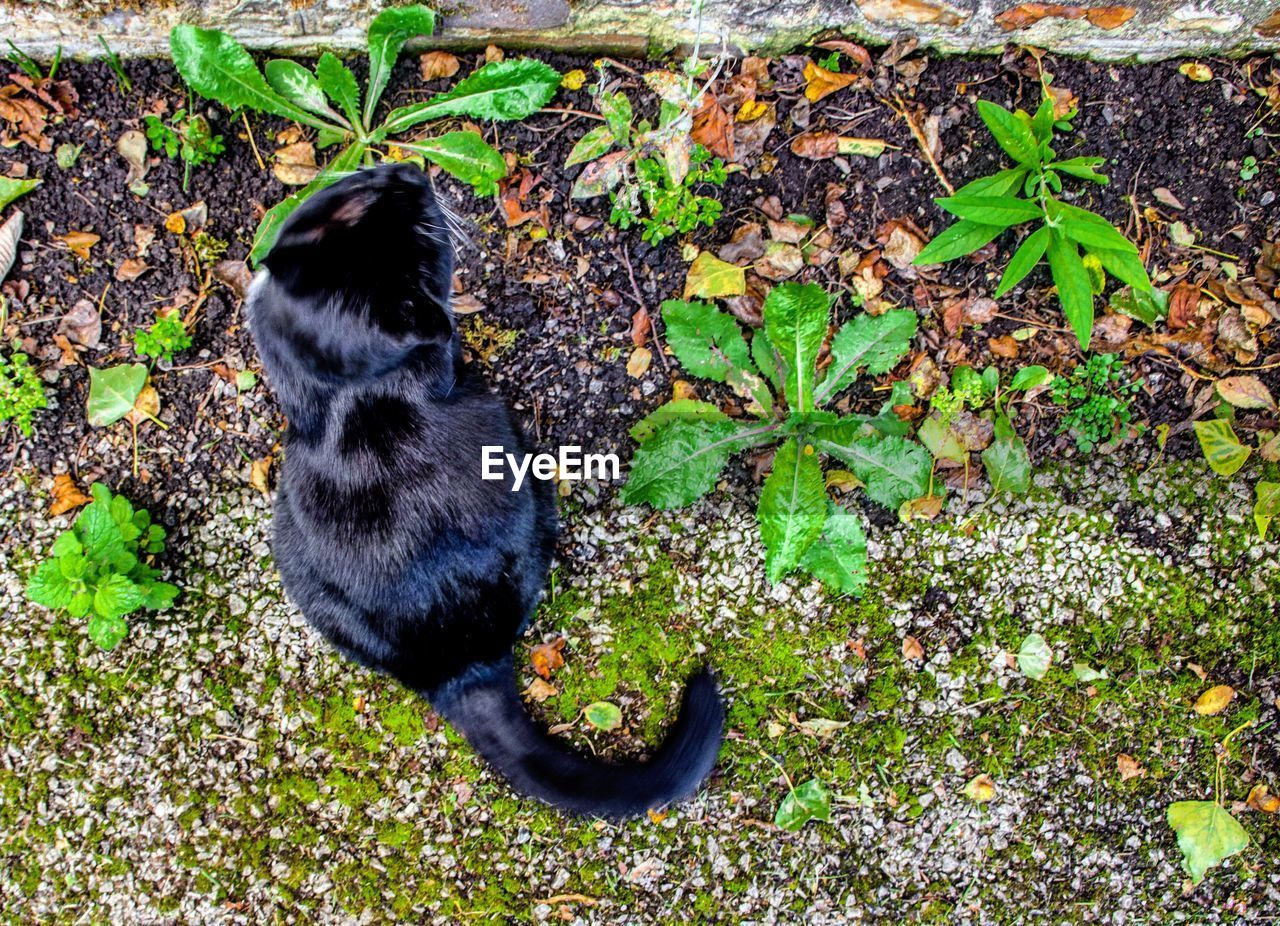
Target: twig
[570,898]
[564,110]
[901,110]
[252,144]
[653,331]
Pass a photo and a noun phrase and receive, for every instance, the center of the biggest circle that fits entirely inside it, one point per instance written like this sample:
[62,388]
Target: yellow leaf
[1214,701]
[866,147]
[981,789]
[79,242]
[1222,449]
[819,82]
[258,472]
[1260,799]
[573,80]
[711,278]
[1196,71]
[175,223]
[750,111]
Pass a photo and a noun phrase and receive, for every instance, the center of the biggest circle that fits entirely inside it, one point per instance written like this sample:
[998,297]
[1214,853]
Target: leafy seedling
[329,100]
[166,337]
[1097,396]
[1027,194]
[21,392]
[185,137]
[685,444]
[101,568]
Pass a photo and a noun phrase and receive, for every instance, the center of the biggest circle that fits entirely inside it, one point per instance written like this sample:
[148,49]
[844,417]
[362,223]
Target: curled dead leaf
[1129,767]
[639,361]
[79,242]
[911,649]
[1262,800]
[436,64]
[713,128]
[66,495]
[82,325]
[259,471]
[546,657]
[295,164]
[980,789]
[540,689]
[820,83]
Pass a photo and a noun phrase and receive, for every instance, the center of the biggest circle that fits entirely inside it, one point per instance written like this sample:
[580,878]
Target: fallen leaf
[145,407]
[436,64]
[745,244]
[712,278]
[175,222]
[1244,392]
[465,304]
[641,325]
[10,235]
[712,128]
[1184,302]
[540,689]
[82,325]
[1200,673]
[1207,835]
[816,146]
[66,495]
[603,716]
[132,146]
[573,80]
[1214,701]
[79,242]
[1034,656]
[780,261]
[850,50]
[546,657]
[1129,768]
[236,276]
[902,244]
[820,83]
[1006,347]
[259,470]
[295,164]
[1262,800]
[493,54]
[1166,198]
[130,269]
[638,362]
[911,649]
[980,789]
[821,727]
[1194,70]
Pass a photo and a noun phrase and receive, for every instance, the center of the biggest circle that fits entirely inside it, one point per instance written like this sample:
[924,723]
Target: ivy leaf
[675,410]
[792,509]
[466,156]
[795,318]
[964,237]
[682,461]
[47,586]
[114,391]
[116,596]
[706,341]
[1034,656]
[1222,449]
[894,470]
[839,557]
[1010,132]
[1074,289]
[1008,465]
[590,146]
[1207,835]
[339,85]
[810,801]
[388,32]
[712,278]
[603,716]
[874,343]
[503,90]
[106,631]
[269,228]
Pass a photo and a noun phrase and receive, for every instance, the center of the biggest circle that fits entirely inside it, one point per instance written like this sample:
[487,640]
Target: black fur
[385,534]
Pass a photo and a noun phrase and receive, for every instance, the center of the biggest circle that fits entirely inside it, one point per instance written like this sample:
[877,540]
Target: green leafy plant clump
[166,337]
[1029,194]
[685,444]
[650,172]
[101,567]
[329,100]
[186,137]
[1098,398]
[21,392]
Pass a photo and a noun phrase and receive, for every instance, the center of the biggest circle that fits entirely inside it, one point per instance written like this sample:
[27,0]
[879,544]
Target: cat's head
[360,275]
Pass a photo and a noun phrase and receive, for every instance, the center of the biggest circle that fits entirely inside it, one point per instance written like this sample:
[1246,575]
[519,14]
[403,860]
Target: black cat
[386,536]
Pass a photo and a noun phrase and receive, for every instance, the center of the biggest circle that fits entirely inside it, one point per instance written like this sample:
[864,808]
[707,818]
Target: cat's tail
[484,705]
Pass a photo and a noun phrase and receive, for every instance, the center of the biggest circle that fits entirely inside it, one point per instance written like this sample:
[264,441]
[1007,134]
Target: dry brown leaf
[1184,302]
[79,242]
[130,269]
[1247,392]
[820,83]
[682,389]
[1164,196]
[1025,15]
[82,325]
[1214,701]
[1200,673]
[235,275]
[640,327]
[713,128]
[1005,347]
[66,495]
[1129,767]
[911,649]
[1262,800]
[780,261]
[816,146]
[1109,17]
[295,164]
[546,657]
[437,64]
[540,689]
[745,244]
[850,50]
[639,361]
[259,470]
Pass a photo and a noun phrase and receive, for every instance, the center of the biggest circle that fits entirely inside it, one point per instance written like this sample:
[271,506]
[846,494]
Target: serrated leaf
[1010,132]
[766,358]
[107,631]
[113,392]
[706,341]
[796,319]
[603,716]
[465,155]
[675,410]
[1034,656]
[264,238]
[792,508]
[47,586]
[1024,260]
[809,801]
[1207,835]
[504,90]
[1008,465]
[894,470]
[712,278]
[1001,211]
[299,86]
[590,146]
[339,85]
[116,596]
[159,595]
[838,558]
[1222,449]
[874,343]
[388,32]
[962,238]
[1072,280]
[683,460]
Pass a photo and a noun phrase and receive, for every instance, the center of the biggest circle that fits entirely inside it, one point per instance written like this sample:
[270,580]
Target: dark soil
[571,296]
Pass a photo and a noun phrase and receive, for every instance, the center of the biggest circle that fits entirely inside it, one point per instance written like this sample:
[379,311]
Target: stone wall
[1134,29]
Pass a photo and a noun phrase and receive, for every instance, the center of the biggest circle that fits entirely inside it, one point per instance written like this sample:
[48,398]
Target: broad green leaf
[1087,673]
[942,441]
[1266,505]
[792,509]
[1034,656]
[1222,449]
[1127,267]
[1008,465]
[1029,378]
[217,67]
[766,358]
[49,587]
[998,184]
[388,32]
[159,595]
[675,410]
[299,86]
[1042,121]
[796,317]
[810,801]
[960,239]
[590,146]
[116,596]
[11,189]
[1099,235]
[894,470]
[81,604]
[503,90]
[66,543]
[1207,835]
[465,155]
[616,109]
[874,343]
[1010,132]
[113,392]
[339,84]
[683,460]
[1024,260]
[838,558]
[264,238]
[1147,307]
[106,631]
[712,278]
[603,716]
[991,210]
[1072,281]
[706,341]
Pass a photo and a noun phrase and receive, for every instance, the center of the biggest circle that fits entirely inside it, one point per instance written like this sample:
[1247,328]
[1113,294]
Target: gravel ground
[224,766]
